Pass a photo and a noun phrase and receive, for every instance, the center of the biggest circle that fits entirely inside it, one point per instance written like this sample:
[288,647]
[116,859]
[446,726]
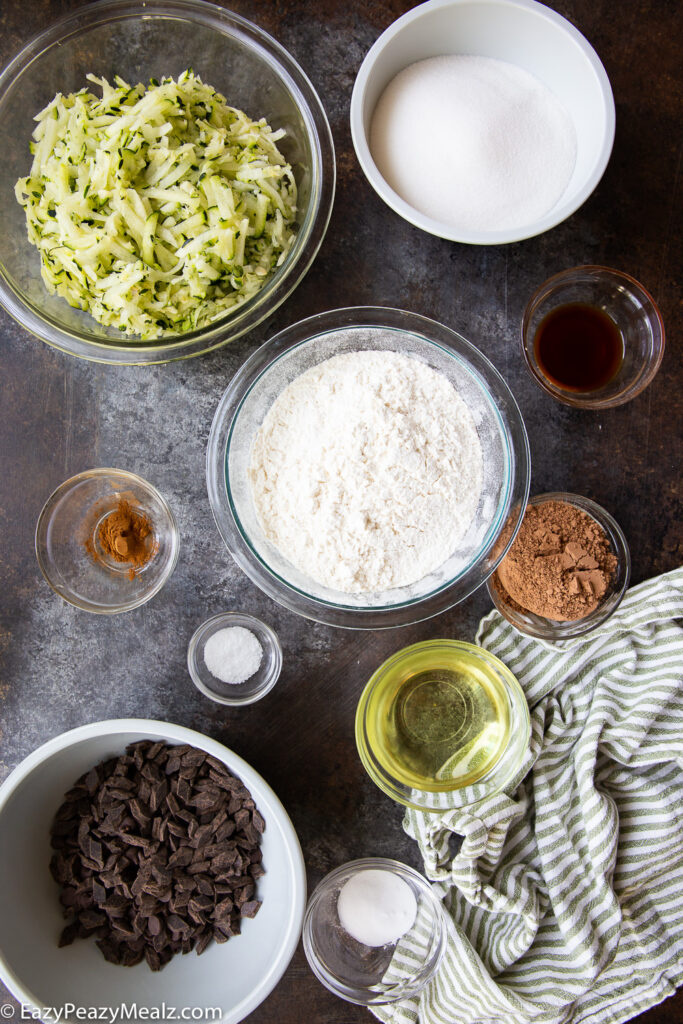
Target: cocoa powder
[560,564]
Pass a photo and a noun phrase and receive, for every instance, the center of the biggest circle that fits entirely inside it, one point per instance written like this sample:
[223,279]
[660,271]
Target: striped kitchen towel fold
[565,899]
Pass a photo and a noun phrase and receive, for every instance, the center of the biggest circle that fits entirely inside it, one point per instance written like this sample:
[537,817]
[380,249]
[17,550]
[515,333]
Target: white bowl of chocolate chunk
[144,863]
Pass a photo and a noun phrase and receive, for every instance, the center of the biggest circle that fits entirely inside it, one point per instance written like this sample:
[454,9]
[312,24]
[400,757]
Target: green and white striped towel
[566,898]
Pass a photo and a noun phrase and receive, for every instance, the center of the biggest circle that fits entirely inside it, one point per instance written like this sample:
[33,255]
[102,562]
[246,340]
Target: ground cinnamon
[560,564]
[125,535]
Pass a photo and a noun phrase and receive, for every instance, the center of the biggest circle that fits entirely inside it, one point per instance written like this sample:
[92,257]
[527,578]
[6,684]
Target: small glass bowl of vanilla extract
[441,725]
[592,337]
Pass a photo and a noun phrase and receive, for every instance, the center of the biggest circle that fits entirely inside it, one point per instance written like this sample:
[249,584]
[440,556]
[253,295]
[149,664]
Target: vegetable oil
[437,717]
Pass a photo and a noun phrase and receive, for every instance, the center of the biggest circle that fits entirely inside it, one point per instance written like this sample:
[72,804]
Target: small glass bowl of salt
[374,931]
[234,658]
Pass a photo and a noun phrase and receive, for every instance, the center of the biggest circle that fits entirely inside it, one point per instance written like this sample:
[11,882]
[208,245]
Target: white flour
[367,471]
[474,142]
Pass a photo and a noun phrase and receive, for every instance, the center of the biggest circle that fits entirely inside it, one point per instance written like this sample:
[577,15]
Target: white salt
[233,654]
[474,142]
[376,907]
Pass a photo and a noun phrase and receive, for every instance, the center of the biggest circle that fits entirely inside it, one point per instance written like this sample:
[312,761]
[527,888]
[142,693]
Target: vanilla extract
[578,347]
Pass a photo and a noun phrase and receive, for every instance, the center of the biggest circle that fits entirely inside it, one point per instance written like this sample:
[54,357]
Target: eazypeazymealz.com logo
[111,1014]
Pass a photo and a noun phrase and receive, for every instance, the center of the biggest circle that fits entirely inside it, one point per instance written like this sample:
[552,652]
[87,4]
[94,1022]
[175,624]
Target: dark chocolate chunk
[250,909]
[156,853]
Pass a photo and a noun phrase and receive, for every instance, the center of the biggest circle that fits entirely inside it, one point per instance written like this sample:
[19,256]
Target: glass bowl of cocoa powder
[106,541]
[566,571]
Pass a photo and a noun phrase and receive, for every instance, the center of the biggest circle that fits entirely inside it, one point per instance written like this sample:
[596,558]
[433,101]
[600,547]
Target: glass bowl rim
[236,618]
[350,868]
[143,484]
[311,231]
[550,629]
[306,331]
[583,400]
[398,790]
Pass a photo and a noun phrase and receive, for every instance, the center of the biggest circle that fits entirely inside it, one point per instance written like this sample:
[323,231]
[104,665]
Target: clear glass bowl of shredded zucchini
[167,180]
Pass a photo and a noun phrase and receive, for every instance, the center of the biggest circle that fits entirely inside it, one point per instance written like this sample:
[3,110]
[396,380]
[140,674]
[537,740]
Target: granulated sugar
[367,471]
[477,143]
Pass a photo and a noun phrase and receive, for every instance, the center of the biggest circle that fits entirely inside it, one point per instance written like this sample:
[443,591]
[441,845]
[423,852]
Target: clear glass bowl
[429,660]
[551,629]
[136,41]
[271,368]
[373,975]
[252,689]
[68,527]
[632,309]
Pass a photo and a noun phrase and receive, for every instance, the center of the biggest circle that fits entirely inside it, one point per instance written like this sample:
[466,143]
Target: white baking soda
[376,907]
[474,142]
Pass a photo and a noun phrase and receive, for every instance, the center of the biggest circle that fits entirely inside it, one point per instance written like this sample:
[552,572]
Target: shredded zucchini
[157,209]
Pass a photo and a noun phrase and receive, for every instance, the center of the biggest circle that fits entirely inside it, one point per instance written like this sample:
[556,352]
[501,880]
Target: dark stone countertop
[62,668]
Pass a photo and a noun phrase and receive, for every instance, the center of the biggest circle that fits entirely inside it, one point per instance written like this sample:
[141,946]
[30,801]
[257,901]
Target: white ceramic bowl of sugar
[234,977]
[523,33]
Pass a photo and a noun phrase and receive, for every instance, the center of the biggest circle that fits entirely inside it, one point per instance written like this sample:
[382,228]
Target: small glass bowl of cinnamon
[566,571]
[106,541]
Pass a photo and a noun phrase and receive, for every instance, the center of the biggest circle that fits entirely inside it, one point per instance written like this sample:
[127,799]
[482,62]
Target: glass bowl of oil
[592,337]
[442,724]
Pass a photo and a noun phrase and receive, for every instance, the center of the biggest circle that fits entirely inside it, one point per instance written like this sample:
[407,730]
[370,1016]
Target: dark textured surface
[62,668]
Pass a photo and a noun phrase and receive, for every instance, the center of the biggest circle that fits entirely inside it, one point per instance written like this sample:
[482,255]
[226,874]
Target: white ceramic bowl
[521,32]
[235,976]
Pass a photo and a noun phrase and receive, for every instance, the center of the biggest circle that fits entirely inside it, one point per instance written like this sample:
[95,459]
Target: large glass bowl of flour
[497,471]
